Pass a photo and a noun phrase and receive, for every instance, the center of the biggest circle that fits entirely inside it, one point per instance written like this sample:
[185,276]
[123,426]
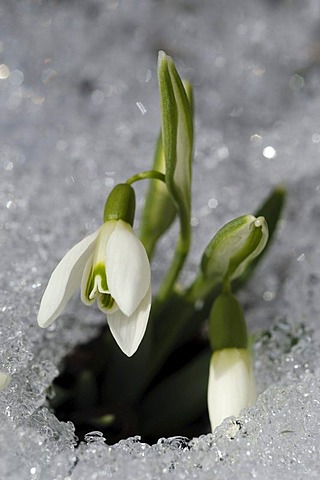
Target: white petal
[128,268]
[129,331]
[94,273]
[231,384]
[84,281]
[5,379]
[65,280]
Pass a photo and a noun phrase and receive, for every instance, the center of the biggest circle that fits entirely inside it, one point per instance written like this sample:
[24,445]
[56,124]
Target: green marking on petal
[94,282]
[100,278]
[94,278]
[89,286]
[87,283]
[106,303]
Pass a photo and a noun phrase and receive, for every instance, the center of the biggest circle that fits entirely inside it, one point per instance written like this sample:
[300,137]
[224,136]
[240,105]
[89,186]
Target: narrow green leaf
[189,91]
[61,395]
[103,421]
[178,400]
[86,392]
[159,211]
[271,209]
[177,138]
[233,248]
[177,135]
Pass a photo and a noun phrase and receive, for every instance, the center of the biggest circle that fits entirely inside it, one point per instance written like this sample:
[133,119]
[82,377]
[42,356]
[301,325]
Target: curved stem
[180,254]
[146,175]
[226,285]
[200,288]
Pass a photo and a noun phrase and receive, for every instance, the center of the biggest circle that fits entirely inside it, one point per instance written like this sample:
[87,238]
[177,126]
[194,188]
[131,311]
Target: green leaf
[271,209]
[60,396]
[227,326]
[86,391]
[177,136]
[103,421]
[189,91]
[233,248]
[178,400]
[159,211]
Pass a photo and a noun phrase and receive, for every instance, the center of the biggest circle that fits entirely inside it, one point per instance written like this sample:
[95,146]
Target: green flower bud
[233,248]
[120,204]
[227,326]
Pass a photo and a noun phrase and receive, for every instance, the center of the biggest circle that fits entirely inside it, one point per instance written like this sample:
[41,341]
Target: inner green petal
[100,271]
[96,283]
[89,286]
[106,301]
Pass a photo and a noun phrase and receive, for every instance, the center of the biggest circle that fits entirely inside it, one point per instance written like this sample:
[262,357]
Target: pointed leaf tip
[161,56]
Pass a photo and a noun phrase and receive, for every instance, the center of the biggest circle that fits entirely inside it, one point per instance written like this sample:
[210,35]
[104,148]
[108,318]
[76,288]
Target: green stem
[146,175]
[174,323]
[179,318]
[180,255]
[226,285]
[174,313]
[200,288]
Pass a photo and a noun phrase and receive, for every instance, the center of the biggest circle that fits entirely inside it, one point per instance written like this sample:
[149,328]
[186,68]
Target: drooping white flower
[112,267]
[231,384]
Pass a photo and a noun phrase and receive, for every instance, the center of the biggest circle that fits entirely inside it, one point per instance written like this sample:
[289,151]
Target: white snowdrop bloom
[231,384]
[112,267]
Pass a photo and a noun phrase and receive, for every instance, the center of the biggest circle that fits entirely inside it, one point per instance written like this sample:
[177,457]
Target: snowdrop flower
[231,385]
[112,267]
[5,379]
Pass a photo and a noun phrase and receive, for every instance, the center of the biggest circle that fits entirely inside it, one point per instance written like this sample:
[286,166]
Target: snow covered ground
[79,113]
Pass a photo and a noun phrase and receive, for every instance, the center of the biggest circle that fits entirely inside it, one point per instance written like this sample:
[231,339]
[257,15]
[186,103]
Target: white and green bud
[233,248]
[231,385]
